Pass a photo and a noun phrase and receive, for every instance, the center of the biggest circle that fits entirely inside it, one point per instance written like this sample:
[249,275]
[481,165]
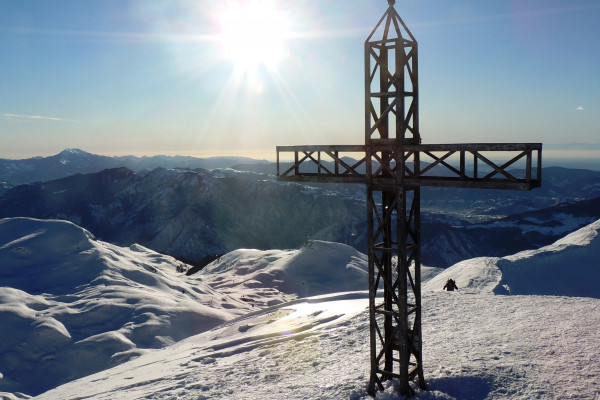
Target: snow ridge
[568,267]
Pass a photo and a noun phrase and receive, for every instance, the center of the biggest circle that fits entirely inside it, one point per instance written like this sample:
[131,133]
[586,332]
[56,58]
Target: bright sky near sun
[240,77]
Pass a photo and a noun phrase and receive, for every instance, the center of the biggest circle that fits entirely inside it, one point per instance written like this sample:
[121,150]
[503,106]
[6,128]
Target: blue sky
[154,77]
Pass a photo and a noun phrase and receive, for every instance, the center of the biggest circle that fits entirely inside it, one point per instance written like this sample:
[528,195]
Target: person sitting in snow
[450,285]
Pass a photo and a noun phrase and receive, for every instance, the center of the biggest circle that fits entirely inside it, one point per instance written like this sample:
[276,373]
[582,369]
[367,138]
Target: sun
[253,34]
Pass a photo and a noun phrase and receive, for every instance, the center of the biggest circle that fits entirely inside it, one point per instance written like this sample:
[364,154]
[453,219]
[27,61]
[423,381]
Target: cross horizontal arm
[514,166]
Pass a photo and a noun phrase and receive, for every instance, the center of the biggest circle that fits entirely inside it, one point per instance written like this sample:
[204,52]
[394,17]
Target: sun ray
[223,102]
[292,102]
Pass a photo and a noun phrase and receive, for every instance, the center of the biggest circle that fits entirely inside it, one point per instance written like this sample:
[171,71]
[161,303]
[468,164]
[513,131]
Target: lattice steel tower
[392,121]
[394,165]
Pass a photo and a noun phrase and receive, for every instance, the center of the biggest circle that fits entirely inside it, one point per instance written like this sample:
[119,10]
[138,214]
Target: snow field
[475,347]
[508,347]
[283,324]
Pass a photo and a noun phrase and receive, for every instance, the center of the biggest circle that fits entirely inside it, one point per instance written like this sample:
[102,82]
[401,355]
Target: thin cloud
[34,117]
[120,36]
[580,108]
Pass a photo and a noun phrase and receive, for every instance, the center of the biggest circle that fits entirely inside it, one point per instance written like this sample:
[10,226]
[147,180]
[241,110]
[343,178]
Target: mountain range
[198,214]
[190,214]
[193,282]
[75,161]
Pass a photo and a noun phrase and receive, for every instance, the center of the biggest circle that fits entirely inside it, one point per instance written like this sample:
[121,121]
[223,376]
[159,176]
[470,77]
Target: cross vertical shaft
[391,121]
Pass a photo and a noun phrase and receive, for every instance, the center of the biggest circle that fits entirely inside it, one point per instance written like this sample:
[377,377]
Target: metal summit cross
[394,165]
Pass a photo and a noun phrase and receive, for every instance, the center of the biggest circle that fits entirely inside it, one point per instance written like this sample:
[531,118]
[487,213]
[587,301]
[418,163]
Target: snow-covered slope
[317,268]
[71,305]
[75,305]
[475,347]
[273,344]
[568,267]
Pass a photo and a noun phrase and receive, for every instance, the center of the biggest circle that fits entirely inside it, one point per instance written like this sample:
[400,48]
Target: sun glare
[253,34]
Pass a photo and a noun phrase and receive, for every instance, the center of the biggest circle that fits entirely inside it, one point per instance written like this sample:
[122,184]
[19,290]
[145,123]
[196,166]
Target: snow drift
[316,268]
[569,267]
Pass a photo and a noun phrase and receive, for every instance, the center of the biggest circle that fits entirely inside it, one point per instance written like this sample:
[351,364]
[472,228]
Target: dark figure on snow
[450,285]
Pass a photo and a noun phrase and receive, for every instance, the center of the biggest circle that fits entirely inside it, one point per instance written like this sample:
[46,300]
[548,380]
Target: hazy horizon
[571,158]
[240,77]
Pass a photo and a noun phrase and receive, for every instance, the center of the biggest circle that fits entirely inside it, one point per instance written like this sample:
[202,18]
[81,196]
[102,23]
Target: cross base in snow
[394,165]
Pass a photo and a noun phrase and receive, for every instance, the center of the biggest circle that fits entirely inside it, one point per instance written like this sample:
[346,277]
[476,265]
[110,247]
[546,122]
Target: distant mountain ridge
[447,244]
[573,146]
[195,215]
[75,161]
[558,184]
